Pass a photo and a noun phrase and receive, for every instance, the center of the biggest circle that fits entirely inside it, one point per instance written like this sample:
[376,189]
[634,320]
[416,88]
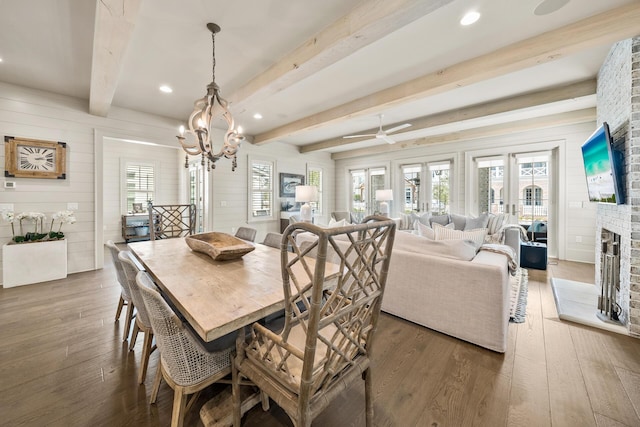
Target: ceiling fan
[382,134]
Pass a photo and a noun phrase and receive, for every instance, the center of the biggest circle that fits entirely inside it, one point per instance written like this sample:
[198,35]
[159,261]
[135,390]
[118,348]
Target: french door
[517,184]
[427,187]
[364,183]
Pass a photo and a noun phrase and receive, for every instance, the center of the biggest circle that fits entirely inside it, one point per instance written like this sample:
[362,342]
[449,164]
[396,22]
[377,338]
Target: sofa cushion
[459,221]
[406,222]
[439,219]
[456,249]
[480,222]
[424,218]
[333,223]
[476,236]
[426,231]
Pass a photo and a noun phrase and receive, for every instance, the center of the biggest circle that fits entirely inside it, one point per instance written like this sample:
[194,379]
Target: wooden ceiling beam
[556,94]
[554,120]
[365,24]
[605,28]
[114,24]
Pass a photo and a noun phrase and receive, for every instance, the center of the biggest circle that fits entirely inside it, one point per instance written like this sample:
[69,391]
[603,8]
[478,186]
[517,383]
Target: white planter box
[27,263]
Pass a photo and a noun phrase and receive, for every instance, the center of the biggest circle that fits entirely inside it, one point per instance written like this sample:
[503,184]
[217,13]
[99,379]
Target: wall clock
[33,158]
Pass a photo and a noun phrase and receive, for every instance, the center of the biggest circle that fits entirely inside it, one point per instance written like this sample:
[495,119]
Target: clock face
[32,158]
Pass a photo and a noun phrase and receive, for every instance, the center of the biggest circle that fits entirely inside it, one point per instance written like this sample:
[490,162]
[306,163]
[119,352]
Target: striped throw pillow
[476,236]
[495,223]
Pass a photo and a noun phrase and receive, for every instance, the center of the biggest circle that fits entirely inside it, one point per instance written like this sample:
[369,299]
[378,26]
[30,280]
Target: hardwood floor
[63,363]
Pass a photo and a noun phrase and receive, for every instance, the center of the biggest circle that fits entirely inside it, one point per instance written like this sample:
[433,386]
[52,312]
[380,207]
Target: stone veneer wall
[618,104]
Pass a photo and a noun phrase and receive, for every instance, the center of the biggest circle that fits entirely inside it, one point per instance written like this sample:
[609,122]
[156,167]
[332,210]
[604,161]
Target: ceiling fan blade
[397,128]
[359,136]
[387,139]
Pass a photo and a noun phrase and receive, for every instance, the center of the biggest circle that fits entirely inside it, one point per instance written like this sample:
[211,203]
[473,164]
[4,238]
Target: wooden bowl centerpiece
[219,246]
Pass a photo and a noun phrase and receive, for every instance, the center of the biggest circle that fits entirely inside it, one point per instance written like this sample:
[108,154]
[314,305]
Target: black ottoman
[533,255]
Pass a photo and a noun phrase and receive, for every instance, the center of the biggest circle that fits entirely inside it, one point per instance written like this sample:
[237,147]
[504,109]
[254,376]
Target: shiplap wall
[576,215]
[41,115]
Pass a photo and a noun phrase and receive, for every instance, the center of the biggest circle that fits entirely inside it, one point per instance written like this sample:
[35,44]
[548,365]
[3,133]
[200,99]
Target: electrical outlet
[223,203]
[578,239]
[6,206]
[72,206]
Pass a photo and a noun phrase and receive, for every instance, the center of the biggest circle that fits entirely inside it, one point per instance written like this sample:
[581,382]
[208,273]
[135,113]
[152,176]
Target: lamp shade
[306,193]
[384,195]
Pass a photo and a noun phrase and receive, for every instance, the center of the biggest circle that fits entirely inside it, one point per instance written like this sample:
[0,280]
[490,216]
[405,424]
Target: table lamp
[306,194]
[384,196]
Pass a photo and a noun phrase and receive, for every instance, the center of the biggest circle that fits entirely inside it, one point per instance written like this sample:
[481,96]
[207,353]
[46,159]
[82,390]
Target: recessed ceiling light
[257,116]
[470,18]
[0,59]
[165,89]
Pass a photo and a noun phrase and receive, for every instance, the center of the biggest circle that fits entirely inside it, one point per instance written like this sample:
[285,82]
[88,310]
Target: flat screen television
[603,167]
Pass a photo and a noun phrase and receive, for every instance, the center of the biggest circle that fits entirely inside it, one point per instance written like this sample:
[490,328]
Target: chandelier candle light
[306,194]
[200,123]
[384,196]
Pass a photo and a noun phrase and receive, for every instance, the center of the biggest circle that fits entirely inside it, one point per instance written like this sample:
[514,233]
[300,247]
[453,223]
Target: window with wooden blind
[140,186]
[261,201]
[314,177]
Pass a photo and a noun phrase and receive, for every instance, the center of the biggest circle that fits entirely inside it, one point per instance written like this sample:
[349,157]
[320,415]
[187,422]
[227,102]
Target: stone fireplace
[618,104]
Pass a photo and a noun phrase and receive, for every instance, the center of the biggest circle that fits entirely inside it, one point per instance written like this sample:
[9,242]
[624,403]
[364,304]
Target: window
[440,188]
[314,177]
[140,186]
[411,178]
[261,190]
[532,196]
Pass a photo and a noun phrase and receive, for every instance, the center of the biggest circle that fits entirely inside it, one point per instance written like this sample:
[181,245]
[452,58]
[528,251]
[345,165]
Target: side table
[533,255]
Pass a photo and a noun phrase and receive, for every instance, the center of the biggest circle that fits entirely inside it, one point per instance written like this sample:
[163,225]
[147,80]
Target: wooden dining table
[216,297]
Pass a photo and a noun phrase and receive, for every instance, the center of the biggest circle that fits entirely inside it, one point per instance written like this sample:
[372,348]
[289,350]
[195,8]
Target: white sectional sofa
[444,285]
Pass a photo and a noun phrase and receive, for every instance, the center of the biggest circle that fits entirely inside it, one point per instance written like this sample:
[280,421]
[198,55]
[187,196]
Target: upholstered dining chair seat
[185,364]
[246,233]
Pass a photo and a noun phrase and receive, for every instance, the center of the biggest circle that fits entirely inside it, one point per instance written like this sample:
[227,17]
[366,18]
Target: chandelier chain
[213,67]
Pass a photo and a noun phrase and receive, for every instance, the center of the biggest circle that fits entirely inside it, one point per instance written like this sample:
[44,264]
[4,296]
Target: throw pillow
[476,236]
[425,231]
[424,219]
[406,222]
[495,223]
[480,222]
[459,221]
[333,223]
[439,219]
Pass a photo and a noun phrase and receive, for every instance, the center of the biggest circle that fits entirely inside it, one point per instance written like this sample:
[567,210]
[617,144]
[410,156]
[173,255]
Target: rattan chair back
[330,319]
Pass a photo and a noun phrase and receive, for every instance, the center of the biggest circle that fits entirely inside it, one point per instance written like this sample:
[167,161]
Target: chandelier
[201,121]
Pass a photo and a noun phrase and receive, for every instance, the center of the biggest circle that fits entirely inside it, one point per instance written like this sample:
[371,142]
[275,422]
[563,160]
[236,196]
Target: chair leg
[235,394]
[127,323]
[146,352]
[179,402]
[264,398]
[119,309]
[156,384]
[134,336]
[368,396]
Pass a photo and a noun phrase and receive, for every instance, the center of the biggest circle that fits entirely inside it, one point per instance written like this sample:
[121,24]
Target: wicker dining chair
[273,239]
[246,233]
[329,330]
[185,364]
[125,293]
[142,323]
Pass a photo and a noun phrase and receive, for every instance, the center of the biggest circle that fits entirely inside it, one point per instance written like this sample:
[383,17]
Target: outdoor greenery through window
[314,177]
[440,200]
[140,186]
[261,189]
